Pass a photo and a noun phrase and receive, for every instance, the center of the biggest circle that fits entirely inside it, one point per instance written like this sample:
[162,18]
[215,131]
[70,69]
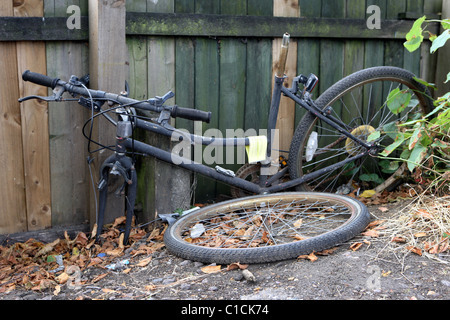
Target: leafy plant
[424,140]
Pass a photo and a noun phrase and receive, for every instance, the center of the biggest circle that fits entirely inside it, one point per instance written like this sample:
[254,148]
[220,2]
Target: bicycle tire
[368,83]
[354,215]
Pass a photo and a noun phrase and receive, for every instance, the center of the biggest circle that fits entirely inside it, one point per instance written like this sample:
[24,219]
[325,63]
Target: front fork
[119,164]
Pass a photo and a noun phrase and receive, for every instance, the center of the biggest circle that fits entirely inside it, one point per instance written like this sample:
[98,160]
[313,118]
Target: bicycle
[330,153]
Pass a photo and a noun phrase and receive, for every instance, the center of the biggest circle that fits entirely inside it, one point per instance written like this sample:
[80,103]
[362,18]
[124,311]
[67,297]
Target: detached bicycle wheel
[266,228]
[359,101]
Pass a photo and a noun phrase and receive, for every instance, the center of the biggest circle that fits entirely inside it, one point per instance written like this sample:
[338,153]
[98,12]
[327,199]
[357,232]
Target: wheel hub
[362,132]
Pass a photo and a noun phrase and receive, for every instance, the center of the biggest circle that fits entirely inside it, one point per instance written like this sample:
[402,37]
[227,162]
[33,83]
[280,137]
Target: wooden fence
[216,55]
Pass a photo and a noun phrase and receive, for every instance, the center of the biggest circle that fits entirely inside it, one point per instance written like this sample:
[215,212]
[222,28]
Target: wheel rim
[273,220]
[368,173]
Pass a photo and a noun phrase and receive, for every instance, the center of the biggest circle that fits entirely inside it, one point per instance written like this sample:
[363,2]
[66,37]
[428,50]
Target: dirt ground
[368,273]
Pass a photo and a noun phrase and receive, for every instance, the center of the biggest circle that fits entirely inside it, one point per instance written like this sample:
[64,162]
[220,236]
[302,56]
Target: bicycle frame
[264,186]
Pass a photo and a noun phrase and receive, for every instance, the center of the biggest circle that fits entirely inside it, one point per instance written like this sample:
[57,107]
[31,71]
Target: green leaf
[414,37]
[398,100]
[446,24]
[388,166]
[448,78]
[390,148]
[417,134]
[440,41]
[425,83]
[373,136]
[373,177]
[391,129]
[417,154]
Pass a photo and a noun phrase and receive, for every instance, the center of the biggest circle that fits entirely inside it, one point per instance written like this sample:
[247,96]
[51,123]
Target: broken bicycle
[333,152]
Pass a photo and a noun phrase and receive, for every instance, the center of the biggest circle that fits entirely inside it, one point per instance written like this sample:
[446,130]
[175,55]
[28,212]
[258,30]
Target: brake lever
[56,96]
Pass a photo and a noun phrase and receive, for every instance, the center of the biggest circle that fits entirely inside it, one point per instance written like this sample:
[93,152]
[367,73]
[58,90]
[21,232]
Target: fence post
[286,114]
[108,71]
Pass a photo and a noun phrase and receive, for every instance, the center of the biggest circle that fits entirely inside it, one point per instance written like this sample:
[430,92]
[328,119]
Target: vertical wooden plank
[259,72]
[68,167]
[308,60]
[286,114]
[13,209]
[353,58]
[331,51]
[207,91]
[31,55]
[108,70]
[167,187]
[411,60]
[233,53]
[184,68]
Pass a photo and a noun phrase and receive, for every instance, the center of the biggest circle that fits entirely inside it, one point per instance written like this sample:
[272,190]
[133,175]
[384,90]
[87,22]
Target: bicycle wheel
[266,228]
[359,101]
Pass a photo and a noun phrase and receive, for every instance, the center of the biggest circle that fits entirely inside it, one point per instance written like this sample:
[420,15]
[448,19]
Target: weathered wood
[31,55]
[286,113]
[195,25]
[39,29]
[108,70]
[168,187]
[233,53]
[259,72]
[45,235]
[13,208]
[68,166]
[207,92]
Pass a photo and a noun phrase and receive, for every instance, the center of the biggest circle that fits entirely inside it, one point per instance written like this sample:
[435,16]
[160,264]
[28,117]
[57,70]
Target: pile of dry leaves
[37,266]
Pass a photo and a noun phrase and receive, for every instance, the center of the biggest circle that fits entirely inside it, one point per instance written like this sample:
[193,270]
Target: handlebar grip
[191,114]
[40,79]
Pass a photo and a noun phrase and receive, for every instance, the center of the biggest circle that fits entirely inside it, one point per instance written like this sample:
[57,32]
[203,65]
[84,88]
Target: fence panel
[228,73]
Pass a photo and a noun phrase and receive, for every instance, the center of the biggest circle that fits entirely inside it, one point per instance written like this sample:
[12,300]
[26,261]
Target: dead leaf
[122,235]
[311,257]
[355,246]
[237,265]
[119,221]
[420,234]
[57,290]
[326,252]
[398,239]
[47,248]
[371,233]
[94,231]
[99,277]
[298,223]
[415,250]
[383,209]
[144,262]
[114,252]
[211,269]
[422,213]
[374,224]
[62,278]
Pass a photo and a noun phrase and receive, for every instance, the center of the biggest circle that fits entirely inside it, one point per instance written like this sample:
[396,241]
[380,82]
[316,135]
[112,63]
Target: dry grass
[422,227]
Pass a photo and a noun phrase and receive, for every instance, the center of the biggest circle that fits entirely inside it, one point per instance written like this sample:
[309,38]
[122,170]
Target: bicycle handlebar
[149,105]
[40,79]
